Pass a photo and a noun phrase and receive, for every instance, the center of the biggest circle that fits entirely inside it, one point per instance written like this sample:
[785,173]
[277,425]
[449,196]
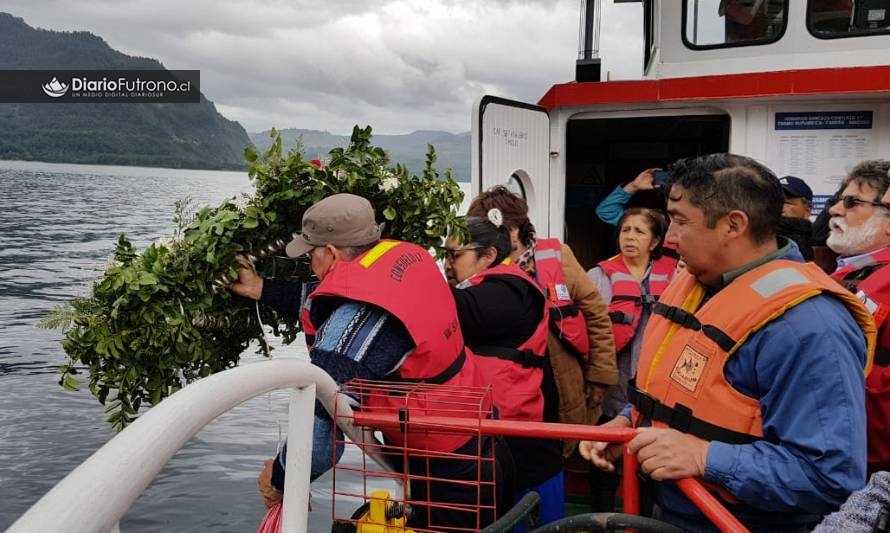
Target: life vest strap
[688,320]
[619,317]
[680,418]
[724,341]
[646,299]
[677,316]
[525,358]
[439,379]
[559,312]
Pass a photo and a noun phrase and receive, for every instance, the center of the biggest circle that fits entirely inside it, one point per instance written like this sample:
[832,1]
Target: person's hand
[604,454]
[596,393]
[645,181]
[669,454]
[271,495]
[249,284]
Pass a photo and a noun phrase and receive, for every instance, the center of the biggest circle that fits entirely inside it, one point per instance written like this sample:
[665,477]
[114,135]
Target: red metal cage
[410,415]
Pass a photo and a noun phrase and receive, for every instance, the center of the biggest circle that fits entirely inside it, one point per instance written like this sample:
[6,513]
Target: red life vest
[515,374]
[628,299]
[869,280]
[306,303]
[566,319]
[403,279]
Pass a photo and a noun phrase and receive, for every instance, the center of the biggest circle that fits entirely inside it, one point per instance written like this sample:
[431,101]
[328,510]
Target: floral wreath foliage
[164,317]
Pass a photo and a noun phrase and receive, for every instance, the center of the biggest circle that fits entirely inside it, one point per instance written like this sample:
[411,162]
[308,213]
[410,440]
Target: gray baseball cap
[341,220]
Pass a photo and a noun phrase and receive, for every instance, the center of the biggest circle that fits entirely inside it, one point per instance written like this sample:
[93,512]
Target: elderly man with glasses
[860,234]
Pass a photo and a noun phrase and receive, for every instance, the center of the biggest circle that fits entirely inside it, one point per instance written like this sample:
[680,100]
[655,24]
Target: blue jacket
[612,206]
[806,367]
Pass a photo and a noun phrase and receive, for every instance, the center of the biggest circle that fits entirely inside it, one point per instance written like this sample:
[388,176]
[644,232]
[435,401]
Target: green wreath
[159,319]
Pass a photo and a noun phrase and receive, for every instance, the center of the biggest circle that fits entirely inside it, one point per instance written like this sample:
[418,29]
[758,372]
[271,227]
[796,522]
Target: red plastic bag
[272,521]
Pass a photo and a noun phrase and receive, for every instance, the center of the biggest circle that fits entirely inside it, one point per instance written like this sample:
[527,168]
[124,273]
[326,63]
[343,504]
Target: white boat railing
[96,494]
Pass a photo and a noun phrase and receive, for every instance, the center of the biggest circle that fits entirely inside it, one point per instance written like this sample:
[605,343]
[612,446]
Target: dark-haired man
[751,372]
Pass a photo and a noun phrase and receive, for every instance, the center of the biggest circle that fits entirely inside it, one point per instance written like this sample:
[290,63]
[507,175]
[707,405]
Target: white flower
[389,183]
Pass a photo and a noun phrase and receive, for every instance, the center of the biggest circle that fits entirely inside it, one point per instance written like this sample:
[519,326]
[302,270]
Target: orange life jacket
[680,381]
[566,319]
[869,280]
[628,299]
[515,374]
[403,279]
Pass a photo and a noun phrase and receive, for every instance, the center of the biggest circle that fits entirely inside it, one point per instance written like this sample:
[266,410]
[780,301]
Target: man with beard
[860,234]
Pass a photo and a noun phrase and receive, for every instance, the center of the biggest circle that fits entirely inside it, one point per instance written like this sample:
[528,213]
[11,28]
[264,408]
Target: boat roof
[805,82]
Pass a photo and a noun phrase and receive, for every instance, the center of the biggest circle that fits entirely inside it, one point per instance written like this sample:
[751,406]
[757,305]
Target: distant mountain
[168,135]
[452,149]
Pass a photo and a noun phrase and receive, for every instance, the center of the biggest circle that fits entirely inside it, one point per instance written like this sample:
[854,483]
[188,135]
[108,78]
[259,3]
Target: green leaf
[162,317]
[70,383]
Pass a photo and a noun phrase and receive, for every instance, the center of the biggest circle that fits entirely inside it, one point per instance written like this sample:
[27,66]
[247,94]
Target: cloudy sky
[398,65]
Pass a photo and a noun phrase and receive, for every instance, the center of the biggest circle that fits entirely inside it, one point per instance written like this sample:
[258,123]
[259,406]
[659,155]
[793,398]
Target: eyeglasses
[453,253]
[850,202]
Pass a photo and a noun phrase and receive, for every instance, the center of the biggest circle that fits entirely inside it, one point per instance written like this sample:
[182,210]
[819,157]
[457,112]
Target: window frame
[738,44]
[863,33]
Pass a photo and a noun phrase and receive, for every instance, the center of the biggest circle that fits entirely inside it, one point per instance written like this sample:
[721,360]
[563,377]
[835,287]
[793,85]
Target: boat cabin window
[829,19]
[723,23]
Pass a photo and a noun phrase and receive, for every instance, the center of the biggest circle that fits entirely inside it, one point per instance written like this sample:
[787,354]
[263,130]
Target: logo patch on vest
[689,368]
[562,292]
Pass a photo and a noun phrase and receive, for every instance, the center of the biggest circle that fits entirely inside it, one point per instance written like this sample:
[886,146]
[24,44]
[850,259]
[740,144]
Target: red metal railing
[704,500]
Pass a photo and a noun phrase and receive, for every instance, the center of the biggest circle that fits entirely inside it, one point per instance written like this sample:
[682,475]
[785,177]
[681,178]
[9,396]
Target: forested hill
[452,149]
[166,135]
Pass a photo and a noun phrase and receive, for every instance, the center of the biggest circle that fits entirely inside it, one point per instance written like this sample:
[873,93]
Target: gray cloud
[321,64]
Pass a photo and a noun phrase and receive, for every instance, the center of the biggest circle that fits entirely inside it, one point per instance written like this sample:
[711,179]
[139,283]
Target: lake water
[58,226]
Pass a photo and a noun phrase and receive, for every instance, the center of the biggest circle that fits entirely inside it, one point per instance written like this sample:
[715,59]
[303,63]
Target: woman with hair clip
[580,345]
[630,283]
[503,316]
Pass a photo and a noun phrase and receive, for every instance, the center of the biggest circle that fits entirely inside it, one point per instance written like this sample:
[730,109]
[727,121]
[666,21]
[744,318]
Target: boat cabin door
[511,146]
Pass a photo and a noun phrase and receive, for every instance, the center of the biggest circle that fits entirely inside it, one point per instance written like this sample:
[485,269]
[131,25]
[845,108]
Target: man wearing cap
[383,311]
[795,222]
[798,197]
[860,235]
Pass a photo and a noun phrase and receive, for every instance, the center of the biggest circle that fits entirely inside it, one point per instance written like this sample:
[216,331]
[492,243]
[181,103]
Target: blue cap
[795,187]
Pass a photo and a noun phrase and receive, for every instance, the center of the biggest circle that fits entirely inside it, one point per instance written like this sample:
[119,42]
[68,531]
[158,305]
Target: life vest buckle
[678,316]
[619,317]
[648,299]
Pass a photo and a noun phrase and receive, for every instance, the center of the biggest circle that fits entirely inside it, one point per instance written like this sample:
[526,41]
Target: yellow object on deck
[377,520]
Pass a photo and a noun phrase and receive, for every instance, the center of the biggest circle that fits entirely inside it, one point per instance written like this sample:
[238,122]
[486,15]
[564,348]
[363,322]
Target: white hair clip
[495,217]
